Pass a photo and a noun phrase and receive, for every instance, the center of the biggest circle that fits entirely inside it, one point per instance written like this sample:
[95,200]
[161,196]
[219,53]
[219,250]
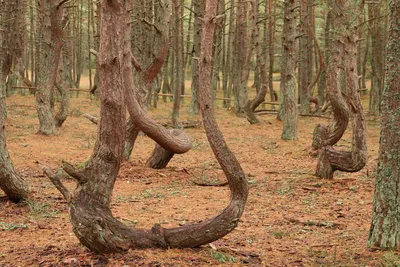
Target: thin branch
[62,2]
[57,183]
[371,19]
[314,223]
[94,52]
[73,172]
[91,118]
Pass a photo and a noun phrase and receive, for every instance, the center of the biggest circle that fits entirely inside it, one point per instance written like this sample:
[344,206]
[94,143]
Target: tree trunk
[89,206]
[385,228]
[305,63]
[48,52]
[251,105]
[13,185]
[179,61]
[288,76]
[198,9]
[377,57]
[330,159]
[157,52]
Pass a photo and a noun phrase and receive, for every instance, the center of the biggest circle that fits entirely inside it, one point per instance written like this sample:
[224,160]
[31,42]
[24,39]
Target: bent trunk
[89,207]
[330,159]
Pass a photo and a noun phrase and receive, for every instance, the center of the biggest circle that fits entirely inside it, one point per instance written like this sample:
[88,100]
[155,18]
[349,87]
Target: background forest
[72,69]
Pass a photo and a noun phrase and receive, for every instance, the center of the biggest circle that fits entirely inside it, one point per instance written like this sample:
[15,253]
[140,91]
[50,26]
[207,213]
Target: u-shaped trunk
[89,206]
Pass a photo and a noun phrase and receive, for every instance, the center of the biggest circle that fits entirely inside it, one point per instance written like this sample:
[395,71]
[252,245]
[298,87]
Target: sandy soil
[291,219]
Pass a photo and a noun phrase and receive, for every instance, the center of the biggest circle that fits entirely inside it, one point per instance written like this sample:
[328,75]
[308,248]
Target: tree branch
[57,183]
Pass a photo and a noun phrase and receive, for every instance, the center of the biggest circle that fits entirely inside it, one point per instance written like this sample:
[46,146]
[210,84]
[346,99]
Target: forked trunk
[89,206]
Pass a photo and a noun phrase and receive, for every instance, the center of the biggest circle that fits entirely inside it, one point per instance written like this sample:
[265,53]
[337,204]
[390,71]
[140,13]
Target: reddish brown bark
[251,105]
[331,159]
[148,73]
[89,206]
[12,184]
[385,227]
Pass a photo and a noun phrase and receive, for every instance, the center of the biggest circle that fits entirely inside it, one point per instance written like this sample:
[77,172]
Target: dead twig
[313,223]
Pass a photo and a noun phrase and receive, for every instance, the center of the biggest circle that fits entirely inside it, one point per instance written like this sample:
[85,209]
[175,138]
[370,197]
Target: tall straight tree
[198,11]
[48,52]
[288,75]
[305,50]
[377,30]
[385,226]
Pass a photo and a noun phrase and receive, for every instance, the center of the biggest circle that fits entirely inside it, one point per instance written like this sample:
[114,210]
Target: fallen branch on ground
[313,223]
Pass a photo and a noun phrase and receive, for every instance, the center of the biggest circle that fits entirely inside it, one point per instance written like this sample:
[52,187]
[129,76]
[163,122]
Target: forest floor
[291,218]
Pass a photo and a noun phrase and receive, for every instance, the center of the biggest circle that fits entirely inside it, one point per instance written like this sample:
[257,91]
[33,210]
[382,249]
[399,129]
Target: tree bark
[377,57]
[251,105]
[330,159]
[12,184]
[49,50]
[89,206]
[288,76]
[385,228]
[148,68]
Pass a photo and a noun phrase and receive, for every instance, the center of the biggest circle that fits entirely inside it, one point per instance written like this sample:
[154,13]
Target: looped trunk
[89,206]
[330,159]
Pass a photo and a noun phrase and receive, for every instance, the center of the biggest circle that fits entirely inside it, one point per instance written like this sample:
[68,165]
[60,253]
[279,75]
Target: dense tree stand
[89,206]
[344,47]
[385,226]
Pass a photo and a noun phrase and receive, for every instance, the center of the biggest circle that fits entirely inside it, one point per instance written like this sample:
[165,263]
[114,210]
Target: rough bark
[148,68]
[178,85]
[330,135]
[377,56]
[385,227]
[12,184]
[251,105]
[288,76]
[160,158]
[89,206]
[48,52]
[305,63]
[241,53]
[331,159]
[271,46]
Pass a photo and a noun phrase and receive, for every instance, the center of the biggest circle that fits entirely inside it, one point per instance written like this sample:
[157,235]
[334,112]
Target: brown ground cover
[291,219]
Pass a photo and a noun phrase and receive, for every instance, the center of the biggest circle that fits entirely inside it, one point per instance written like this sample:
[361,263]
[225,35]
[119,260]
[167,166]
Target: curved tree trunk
[13,185]
[89,206]
[160,158]
[251,105]
[150,72]
[330,159]
[385,229]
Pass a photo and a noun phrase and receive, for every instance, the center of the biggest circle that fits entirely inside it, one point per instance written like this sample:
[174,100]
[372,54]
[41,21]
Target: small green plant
[278,234]
[42,209]
[390,259]
[149,194]
[222,257]
[284,190]
[11,226]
